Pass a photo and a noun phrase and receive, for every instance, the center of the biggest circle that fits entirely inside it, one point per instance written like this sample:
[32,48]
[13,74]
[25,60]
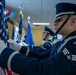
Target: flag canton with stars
[3,22]
[0,18]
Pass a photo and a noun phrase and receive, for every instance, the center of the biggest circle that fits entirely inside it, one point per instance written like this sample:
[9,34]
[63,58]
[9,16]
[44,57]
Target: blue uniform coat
[38,51]
[61,61]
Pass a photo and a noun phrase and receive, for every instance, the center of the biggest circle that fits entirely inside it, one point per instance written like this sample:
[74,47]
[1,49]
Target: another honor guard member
[62,59]
[47,37]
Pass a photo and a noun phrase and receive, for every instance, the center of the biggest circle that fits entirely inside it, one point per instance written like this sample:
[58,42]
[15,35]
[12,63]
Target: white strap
[10,59]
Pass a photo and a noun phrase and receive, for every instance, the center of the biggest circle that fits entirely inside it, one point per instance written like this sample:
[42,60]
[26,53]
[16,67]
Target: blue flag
[29,38]
[20,28]
[13,33]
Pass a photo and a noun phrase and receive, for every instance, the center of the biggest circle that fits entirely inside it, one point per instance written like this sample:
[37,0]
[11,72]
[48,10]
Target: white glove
[23,44]
[14,45]
[2,46]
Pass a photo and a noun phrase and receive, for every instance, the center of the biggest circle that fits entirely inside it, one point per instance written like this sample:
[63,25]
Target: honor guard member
[47,37]
[62,59]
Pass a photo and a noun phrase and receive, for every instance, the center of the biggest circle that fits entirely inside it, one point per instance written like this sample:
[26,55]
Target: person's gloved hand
[23,44]
[2,46]
[14,45]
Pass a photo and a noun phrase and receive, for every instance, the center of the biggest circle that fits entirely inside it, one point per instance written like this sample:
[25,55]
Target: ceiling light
[41,23]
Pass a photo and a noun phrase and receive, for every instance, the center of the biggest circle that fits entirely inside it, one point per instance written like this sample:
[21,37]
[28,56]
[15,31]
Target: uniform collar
[71,34]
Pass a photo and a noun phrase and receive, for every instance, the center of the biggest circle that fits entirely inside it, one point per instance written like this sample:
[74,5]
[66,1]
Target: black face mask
[63,24]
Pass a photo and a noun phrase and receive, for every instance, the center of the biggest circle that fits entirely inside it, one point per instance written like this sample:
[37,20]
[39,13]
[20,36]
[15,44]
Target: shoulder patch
[68,55]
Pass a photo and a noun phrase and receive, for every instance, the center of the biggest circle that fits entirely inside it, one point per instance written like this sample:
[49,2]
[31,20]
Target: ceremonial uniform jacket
[61,61]
[38,51]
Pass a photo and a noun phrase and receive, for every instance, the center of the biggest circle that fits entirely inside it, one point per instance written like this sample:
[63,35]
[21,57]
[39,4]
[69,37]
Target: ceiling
[38,10]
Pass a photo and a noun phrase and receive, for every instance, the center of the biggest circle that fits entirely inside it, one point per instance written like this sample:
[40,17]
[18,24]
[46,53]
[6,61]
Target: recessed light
[41,23]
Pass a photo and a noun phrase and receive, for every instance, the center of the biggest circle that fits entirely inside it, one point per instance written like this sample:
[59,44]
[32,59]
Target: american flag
[4,24]
[4,31]
[0,19]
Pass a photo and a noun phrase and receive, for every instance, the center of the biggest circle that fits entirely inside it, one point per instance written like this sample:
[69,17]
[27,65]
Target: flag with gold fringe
[20,26]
